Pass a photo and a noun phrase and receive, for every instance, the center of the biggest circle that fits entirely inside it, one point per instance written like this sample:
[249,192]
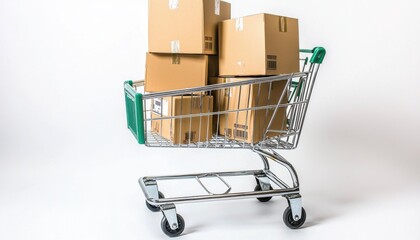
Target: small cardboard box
[166,72]
[187,129]
[261,44]
[185,26]
[248,125]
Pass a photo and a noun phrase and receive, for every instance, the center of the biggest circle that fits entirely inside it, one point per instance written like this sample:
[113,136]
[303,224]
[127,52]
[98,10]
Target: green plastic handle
[318,54]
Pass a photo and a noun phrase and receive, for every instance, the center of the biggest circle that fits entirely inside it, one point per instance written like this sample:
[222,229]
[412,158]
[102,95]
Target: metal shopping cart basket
[249,114]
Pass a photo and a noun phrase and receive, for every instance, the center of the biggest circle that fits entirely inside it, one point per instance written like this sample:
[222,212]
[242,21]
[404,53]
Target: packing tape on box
[173,4]
[176,59]
[239,24]
[175,46]
[217,7]
[282,24]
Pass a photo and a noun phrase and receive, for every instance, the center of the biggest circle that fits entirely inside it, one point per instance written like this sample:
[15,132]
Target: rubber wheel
[263,199]
[289,220]
[167,229]
[155,208]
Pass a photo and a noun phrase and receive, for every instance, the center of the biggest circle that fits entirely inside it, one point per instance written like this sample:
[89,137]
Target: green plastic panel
[134,111]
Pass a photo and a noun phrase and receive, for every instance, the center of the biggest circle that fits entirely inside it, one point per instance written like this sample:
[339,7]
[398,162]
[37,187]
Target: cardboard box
[261,44]
[188,129]
[185,26]
[166,72]
[249,125]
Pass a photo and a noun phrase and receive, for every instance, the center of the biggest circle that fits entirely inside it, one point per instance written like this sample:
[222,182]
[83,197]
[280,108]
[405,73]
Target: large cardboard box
[261,44]
[249,125]
[185,26]
[187,129]
[166,72]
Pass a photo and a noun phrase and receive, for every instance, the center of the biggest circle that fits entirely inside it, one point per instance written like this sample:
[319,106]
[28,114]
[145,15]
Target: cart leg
[172,224]
[263,181]
[295,203]
[294,216]
[152,188]
[262,178]
[169,212]
[263,184]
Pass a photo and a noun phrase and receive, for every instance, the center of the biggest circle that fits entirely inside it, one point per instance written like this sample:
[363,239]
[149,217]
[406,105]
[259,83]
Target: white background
[69,166]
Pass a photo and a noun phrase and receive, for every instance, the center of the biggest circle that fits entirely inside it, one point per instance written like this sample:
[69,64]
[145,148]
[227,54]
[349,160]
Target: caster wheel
[167,229]
[264,199]
[154,208]
[289,220]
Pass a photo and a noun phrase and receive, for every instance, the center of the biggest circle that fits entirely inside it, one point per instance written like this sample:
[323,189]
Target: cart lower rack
[261,114]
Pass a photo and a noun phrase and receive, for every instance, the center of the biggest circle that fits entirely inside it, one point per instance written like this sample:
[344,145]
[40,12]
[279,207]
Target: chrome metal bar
[188,176]
[278,105]
[315,73]
[189,129]
[215,175]
[226,116]
[145,122]
[218,111]
[282,161]
[284,132]
[161,115]
[237,114]
[228,111]
[155,201]
[265,162]
[223,85]
[180,121]
[246,117]
[237,195]
[209,109]
[266,110]
[138,83]
[256,104]
[276,180]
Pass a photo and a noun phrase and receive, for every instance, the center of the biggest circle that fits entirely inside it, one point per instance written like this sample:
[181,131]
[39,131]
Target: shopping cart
[220,116]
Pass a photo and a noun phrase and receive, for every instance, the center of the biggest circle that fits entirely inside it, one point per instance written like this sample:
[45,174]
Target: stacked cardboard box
[183,43]
[185,130]
[257,45]
[248,125]
[182,37]
[261,44]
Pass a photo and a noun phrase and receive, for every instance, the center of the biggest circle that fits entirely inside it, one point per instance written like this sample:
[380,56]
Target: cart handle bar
[318,54]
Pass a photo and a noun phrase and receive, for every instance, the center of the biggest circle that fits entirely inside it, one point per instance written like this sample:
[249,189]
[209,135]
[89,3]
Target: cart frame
[294,216]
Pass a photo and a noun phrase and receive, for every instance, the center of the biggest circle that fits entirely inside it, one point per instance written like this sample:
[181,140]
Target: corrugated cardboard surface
[185,26]
[261,44]
[189,129]
[177,71]
[248,126]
